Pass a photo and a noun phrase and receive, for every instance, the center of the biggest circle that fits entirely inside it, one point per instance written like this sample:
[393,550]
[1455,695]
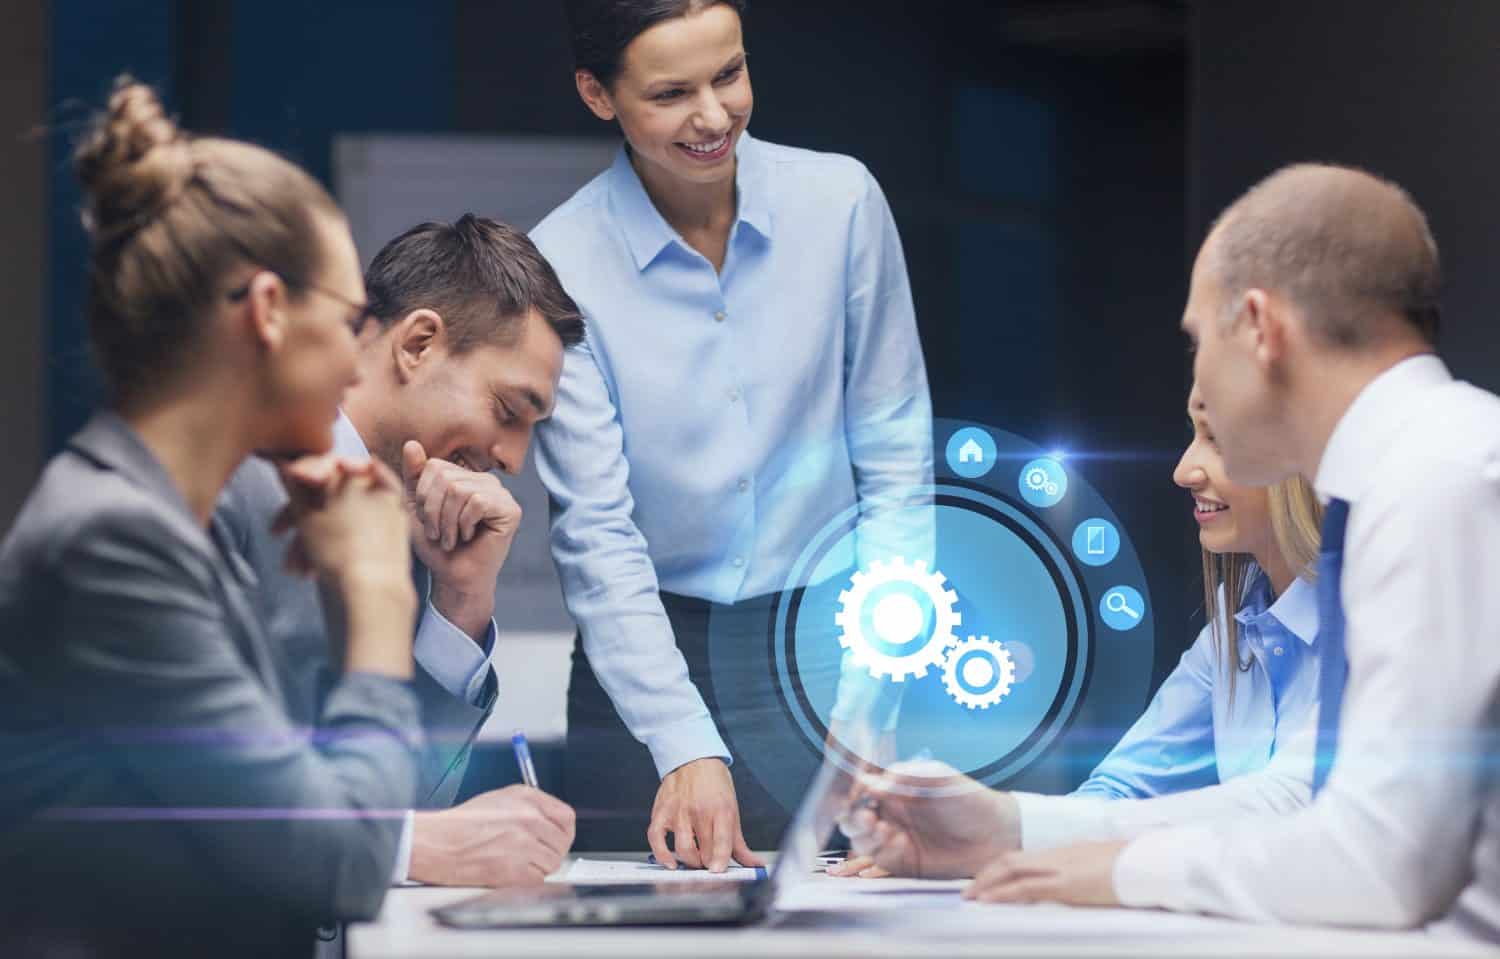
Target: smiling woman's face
[1231,518]
[683,96]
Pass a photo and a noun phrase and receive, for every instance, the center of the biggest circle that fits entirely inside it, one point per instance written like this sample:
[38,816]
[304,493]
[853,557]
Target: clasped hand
[350,535]
[347,517]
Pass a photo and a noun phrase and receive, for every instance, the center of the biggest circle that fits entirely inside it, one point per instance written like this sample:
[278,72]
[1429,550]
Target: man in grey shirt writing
[461,362]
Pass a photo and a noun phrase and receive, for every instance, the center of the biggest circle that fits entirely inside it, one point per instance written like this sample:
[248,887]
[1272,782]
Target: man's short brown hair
[480,275]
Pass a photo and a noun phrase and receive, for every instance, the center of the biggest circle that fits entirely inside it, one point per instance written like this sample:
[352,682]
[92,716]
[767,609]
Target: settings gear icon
[887,599]
[978,672]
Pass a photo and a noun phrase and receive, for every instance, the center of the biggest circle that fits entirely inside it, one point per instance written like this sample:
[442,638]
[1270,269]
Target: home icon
[970,452]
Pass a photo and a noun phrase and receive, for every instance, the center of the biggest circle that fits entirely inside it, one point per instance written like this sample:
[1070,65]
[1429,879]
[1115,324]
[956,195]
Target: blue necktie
[1333,666]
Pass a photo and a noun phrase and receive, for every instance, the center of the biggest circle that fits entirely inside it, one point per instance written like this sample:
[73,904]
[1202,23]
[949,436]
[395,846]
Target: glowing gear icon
[1036,479]
[883,618]
[978,672]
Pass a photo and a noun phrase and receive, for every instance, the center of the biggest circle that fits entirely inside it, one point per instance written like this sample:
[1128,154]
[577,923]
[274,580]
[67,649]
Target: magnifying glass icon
[1116,603]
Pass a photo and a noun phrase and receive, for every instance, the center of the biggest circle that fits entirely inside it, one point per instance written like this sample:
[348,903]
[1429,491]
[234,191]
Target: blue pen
[523,759]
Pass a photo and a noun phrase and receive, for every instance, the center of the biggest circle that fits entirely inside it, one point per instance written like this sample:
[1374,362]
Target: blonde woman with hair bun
[155,796]
[1232,730]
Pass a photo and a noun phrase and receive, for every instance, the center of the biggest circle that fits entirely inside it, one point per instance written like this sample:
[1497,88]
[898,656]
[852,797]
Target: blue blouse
[714,421]
[1194,733]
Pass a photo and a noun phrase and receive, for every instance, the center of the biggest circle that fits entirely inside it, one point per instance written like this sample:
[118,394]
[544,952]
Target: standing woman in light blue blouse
[752,369]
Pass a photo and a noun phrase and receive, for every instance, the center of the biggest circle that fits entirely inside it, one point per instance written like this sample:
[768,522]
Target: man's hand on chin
[507,837]
[697,805]
[462,525]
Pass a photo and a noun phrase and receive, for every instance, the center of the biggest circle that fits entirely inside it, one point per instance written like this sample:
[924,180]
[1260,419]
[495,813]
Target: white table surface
[832,918]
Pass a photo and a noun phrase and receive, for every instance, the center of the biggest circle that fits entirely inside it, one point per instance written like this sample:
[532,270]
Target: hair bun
[133,162]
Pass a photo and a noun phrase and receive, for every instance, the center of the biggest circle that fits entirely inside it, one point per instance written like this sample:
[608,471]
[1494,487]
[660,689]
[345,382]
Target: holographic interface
[989,612]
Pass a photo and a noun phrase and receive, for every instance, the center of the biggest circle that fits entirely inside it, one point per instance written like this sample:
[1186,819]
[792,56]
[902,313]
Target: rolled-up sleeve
[887,425]
[608,579]
[887,404]
[1171,747]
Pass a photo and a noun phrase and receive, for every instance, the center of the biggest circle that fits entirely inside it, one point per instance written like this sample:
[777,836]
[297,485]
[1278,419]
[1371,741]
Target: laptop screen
[828,794]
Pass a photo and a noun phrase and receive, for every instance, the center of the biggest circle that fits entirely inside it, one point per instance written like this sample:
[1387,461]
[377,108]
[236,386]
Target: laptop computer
[711,902]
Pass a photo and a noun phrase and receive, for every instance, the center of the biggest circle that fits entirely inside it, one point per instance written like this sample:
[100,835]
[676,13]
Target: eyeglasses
[363,313]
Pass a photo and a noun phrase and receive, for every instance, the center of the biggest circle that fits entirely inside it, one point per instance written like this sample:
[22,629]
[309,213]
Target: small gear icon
[978,672]
[873,588]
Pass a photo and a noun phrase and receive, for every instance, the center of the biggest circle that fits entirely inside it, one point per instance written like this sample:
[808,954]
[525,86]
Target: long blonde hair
[1296,525]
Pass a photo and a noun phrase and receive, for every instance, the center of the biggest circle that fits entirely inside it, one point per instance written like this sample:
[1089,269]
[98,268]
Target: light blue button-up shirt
[1195,734]
[713,422]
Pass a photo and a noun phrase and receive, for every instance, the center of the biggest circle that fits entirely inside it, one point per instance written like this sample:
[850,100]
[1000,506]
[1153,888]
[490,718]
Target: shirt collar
[1365,429]
[346,440]
[1296,610]
[753,186]
[647,232]
[108,440]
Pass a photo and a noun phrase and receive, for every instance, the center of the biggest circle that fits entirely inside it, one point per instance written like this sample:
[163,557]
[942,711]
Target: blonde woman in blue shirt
[751,370]
[1231,731]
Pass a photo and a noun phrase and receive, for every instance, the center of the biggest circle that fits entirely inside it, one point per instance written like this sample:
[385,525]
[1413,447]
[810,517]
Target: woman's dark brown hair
[170,216]
[600,30]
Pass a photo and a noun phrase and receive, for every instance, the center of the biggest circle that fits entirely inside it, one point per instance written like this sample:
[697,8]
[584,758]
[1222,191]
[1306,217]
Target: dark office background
[1051,165]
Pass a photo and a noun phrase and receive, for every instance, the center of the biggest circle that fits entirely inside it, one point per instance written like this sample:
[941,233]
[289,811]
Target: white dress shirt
[1204,751]
[1407,829]
[447,653]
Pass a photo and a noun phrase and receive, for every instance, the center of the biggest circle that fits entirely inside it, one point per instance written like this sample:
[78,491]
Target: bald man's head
[1351,250]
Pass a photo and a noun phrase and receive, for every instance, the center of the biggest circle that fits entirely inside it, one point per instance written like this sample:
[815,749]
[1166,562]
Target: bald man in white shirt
[1313,312]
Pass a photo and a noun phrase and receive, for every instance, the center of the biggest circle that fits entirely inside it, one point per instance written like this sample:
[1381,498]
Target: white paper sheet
[600,870]
[828,893]
[937,907]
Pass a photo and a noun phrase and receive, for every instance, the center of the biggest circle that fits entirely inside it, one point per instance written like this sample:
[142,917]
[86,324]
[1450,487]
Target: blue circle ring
[958,672]
[1075,607]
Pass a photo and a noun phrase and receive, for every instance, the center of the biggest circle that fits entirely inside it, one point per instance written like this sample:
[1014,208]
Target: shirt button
[1278,650]
[744,485]
[739,562]
[719,316]
[734,396]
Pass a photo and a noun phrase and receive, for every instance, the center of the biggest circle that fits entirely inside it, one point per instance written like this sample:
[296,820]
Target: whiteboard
[388,183]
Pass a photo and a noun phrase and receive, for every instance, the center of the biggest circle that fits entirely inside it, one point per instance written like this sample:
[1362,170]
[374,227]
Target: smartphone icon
[1095,542]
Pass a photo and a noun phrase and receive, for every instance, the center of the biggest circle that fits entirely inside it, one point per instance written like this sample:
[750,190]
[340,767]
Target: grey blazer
[293,613]
[150,773]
